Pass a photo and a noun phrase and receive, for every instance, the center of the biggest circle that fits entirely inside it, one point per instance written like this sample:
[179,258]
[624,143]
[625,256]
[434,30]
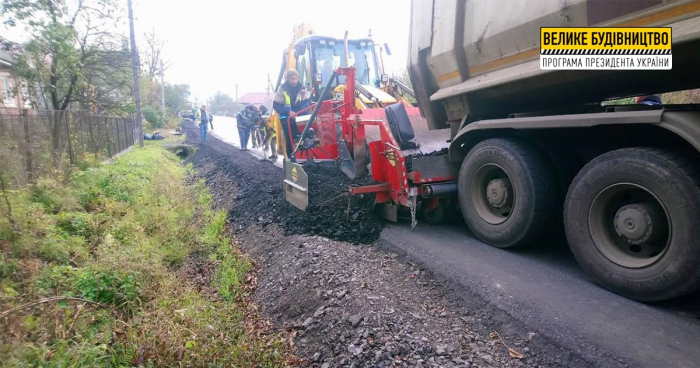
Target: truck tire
[632,219]
[507,192]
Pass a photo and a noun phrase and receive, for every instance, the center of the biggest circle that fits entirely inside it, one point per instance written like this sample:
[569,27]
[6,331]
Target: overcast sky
[212,45]
[215,44]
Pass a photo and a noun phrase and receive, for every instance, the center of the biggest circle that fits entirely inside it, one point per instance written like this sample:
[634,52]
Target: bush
[52,196]
[154,117]
[139,241]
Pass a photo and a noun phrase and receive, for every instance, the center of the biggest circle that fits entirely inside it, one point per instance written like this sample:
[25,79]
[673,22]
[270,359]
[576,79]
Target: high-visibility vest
[287,100]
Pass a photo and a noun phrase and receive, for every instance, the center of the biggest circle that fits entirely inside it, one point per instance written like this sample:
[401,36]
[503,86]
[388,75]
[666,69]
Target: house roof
[256,98]
[5,57]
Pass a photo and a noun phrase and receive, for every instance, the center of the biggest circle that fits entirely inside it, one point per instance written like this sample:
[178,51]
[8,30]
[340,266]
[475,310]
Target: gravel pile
[258,197]
[356,305]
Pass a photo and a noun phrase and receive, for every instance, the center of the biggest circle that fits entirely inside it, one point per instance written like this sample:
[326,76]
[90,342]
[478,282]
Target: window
[303,68]
[327,61]
[8,98]
[362,58]
[329,57]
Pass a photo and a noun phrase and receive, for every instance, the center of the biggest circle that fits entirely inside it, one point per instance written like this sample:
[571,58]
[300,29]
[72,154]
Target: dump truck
[532,153]
[536,150]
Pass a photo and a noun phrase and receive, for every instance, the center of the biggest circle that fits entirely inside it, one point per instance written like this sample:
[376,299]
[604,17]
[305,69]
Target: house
[257,99]
[15,93]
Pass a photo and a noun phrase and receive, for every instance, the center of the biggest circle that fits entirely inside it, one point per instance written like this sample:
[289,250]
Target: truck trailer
[536,150]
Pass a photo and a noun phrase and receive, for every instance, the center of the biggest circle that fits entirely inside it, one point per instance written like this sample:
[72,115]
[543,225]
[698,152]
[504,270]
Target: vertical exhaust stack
[345,42]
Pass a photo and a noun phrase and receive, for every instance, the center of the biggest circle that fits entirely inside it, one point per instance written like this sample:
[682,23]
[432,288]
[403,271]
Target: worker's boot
[274,152]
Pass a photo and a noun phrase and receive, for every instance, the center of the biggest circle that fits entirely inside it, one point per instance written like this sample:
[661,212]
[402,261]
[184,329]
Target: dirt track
[355,305]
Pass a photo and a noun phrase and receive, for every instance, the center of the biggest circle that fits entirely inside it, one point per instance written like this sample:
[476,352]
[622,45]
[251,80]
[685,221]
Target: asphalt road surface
[547,291]
[543,288]
[225,129]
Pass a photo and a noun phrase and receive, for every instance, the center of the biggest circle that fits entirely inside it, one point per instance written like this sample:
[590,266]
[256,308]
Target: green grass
[122,236]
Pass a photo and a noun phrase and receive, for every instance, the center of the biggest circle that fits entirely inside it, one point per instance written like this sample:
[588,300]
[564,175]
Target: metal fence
[36,144]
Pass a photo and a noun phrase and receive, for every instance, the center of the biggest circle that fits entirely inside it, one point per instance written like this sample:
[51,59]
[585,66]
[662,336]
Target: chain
[412,206]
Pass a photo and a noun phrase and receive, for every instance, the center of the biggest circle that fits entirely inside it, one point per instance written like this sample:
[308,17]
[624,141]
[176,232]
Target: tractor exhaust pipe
[438,190]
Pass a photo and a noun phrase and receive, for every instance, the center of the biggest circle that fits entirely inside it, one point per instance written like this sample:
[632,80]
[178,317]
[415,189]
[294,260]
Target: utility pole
[162,89]
[138,128]
[236,93]
[269,84]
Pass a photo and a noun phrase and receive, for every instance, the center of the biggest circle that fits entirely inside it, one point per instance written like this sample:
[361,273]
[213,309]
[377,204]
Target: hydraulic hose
[404,87]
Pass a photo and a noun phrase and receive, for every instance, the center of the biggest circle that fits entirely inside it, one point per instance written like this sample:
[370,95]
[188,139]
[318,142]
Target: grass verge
[127,265]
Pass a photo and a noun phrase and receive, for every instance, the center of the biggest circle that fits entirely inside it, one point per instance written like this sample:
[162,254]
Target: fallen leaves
[513,354]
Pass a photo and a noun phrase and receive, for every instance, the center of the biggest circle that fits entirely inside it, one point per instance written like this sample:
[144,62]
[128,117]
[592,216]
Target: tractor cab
[316,59]
[318,56]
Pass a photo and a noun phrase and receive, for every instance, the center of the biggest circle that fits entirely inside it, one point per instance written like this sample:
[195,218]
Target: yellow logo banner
[593,38]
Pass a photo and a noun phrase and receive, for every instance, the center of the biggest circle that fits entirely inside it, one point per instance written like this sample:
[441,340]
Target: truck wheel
[632,218]
[507,192]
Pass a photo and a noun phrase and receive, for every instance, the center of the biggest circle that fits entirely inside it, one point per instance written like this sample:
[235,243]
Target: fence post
[109,138]
[82,136]
[71,154]
[119,142]
[126,136]
[28,146]
[131,131]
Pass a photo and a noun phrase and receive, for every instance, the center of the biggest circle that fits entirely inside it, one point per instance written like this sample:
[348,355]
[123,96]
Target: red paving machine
[339,134]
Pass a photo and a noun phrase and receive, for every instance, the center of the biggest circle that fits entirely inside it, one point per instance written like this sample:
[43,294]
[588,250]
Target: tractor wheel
[632,220]
[507,192]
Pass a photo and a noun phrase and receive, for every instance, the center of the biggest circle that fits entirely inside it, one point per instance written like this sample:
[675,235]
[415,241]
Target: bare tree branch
[153,55]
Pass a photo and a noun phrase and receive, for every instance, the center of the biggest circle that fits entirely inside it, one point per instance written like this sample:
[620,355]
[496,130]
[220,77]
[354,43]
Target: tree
[70,43]
[402,76]
[67,41]
[176,96]
[154,117]
[150,91]
[109,85]
[153,55]
[223,104]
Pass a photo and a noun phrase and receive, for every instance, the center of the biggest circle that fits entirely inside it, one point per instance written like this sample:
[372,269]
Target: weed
[123,235]
[52,196]
[230,275]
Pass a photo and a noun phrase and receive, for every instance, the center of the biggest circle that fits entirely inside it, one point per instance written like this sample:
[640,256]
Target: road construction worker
[245,120]
[255,133]
[202,118]
[260,128]
[269,135]
[290,99]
